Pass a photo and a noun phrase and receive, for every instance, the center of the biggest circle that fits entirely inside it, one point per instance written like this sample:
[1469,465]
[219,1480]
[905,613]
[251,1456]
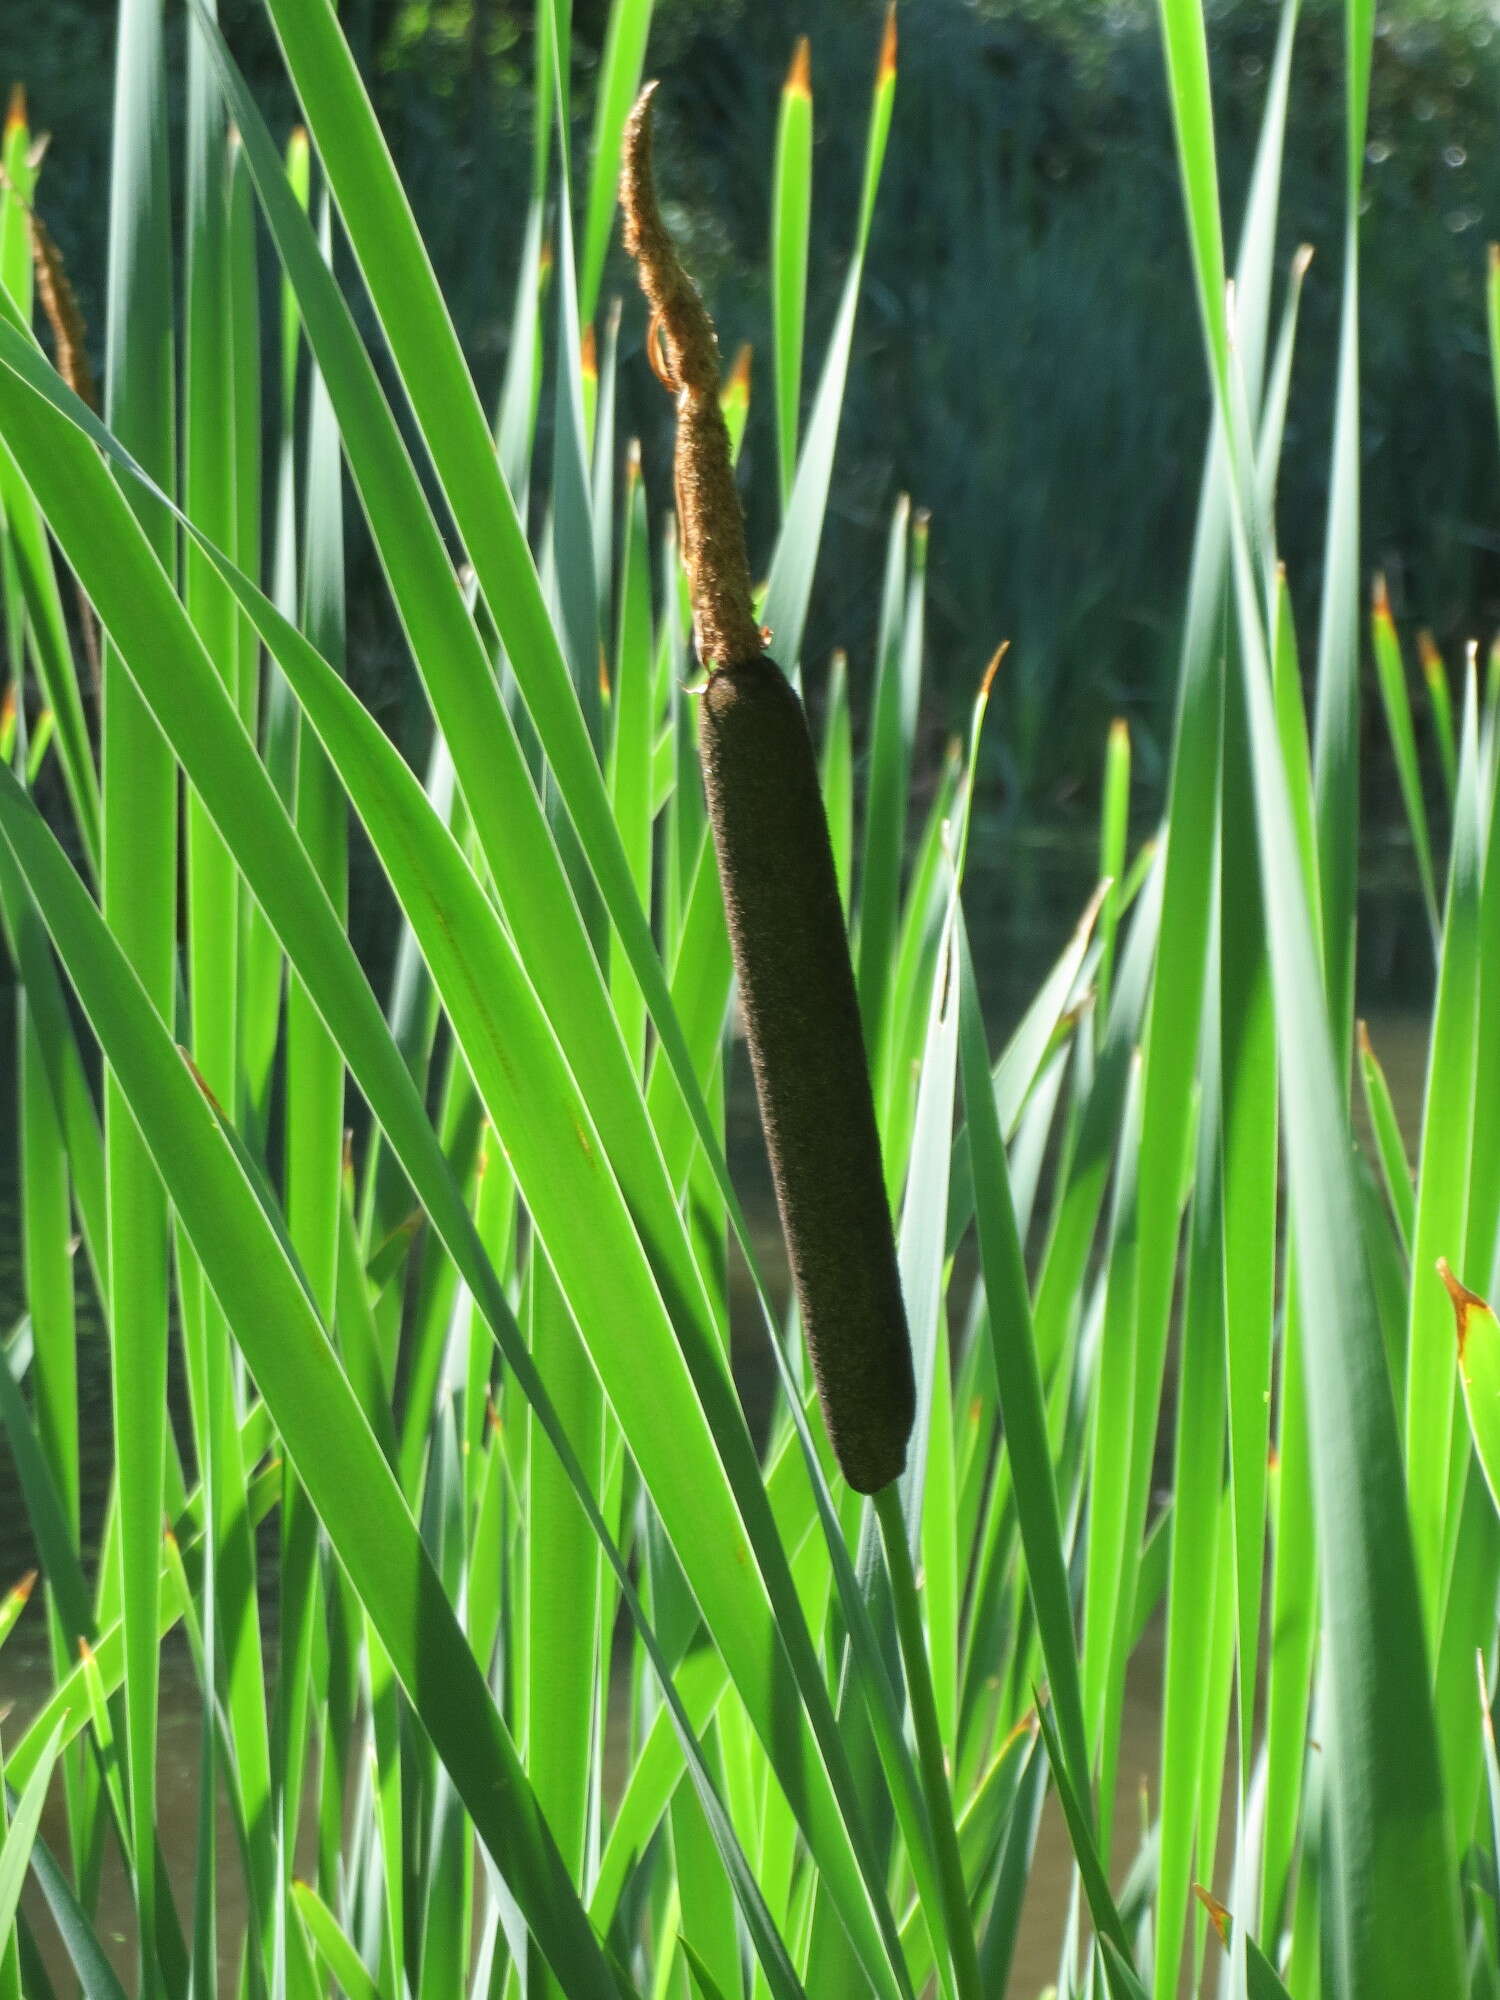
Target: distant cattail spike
[60,307]
[781,901]
[59,303]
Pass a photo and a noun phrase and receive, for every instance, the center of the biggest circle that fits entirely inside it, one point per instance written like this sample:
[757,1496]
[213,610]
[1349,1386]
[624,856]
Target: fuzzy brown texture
[786,926]
[59,303]
[687,359]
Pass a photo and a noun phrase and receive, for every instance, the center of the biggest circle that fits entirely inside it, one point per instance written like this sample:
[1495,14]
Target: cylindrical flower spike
[781,900]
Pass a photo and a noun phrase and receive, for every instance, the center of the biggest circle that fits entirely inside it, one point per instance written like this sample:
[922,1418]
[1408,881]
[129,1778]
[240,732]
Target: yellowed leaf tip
[1273,1460]
[1428,654]
[1119,734]
[1218,1916]
[21,1592]
[992,669]
[1301,260]
[799,76]
[85,1650]
[588,353]
[1069,1018]
[1495,260]
[1380,597]
[1465,1303]
[8,707]
[887,70]
[15,111]
[1362,1031]
[633,460]
[1093,906]
[297,141]
[739,374]
[1029,1724]
[348,1161]
[603,675]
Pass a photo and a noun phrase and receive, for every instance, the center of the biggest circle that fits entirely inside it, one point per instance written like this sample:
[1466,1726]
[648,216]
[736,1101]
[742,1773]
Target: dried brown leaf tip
[684,351]
[1465,1303]
[992,669]
[888,45]
[1218,1916]
[739,375]
[799,76]
[1380,598]
[15,110]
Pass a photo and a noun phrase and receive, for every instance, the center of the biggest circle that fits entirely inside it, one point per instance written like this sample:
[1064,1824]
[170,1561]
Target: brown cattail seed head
[781,901]
[802,1023]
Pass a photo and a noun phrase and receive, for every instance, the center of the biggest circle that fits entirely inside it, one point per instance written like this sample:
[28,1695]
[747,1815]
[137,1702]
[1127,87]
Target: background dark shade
[1027,361]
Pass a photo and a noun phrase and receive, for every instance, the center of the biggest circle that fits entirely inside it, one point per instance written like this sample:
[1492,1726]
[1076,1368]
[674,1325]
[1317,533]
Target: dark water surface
[1024,894]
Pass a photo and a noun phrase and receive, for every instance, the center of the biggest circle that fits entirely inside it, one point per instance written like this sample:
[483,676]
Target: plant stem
[930,1754]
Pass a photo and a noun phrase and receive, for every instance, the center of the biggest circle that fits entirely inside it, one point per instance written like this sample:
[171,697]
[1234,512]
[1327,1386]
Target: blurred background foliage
[1027,366]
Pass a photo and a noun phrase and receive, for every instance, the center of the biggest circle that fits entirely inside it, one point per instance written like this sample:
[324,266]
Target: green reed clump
[568,1682]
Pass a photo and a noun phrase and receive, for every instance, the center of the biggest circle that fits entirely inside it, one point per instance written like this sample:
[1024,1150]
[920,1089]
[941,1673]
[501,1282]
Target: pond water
[1020,915]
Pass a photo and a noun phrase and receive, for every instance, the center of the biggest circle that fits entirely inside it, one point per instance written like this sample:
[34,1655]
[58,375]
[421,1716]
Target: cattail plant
[572,1687]
[781,899]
